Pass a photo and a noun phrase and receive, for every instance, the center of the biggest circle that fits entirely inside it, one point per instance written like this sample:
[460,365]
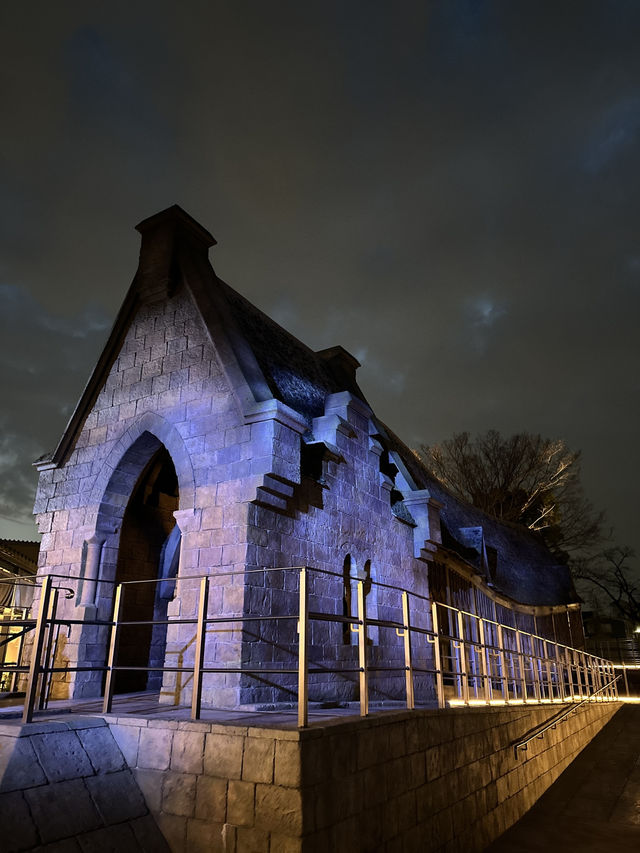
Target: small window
[347,599]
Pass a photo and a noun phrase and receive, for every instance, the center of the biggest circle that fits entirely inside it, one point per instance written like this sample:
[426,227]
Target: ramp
[594,806]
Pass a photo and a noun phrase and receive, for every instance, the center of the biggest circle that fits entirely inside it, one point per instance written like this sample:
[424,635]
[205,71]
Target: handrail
[21,580]
[475,657]
[560,717]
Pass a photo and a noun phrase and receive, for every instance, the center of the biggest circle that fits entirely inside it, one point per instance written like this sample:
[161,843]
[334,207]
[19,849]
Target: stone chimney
[163,235]
[343,365]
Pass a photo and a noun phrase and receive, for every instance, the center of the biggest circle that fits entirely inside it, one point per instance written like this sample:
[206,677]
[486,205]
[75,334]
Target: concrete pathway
[594,807]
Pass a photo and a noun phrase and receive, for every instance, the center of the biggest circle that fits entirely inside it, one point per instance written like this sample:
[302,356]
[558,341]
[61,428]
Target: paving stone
[19,767]
[67,845]
[117,796]
[62,809]
[17,830]
[148,836]
[110,839]
[62,756]
[102,749]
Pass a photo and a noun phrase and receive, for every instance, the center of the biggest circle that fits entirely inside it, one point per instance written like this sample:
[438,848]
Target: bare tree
[523,478]
[612,574]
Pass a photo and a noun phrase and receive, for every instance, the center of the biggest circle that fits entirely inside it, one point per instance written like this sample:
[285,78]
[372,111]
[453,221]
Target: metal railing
[12,634]
[540,731]
[624,653]
[449,655]
[621,650]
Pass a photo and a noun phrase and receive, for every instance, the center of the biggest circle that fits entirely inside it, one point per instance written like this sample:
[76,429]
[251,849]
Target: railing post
[53,606]
[464,681]
[36,651]
[503,668]
[437,658]
[547,666]
[303,663]
[362,651]
[201,637]
[537,668]
[408,666]
[569,658]
[585,674]
[113,650]
[483,657]
[596,677]
[560,674]
[523,680]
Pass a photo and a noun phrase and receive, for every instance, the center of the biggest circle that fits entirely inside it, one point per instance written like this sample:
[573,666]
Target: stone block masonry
[428,781]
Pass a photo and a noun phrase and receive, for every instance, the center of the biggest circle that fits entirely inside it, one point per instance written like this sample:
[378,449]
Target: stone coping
[282,726]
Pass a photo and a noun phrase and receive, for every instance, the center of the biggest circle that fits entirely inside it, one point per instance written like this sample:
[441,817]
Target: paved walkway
[594,807]
[147,705]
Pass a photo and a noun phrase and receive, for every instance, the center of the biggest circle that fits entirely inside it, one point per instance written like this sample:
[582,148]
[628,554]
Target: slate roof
[295,374]
[19,556]
[526,570]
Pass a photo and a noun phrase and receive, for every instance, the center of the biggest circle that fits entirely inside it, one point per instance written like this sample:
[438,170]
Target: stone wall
[165,388]
[217,788]
[244,502]
[411,781]
[259,485]
[348,515]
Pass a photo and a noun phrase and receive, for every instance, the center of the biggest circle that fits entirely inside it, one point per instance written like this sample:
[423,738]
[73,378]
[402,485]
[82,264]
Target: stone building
[18,567]
[211,441]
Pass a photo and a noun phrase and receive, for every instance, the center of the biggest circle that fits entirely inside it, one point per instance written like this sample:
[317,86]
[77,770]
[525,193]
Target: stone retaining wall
[405,781]
[439,781]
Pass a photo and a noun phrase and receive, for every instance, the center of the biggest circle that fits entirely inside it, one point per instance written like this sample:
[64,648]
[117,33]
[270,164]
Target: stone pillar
[426,512]
[91,570]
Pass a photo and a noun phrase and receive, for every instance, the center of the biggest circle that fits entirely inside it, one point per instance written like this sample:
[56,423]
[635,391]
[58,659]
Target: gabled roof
[19,556]
[262,360]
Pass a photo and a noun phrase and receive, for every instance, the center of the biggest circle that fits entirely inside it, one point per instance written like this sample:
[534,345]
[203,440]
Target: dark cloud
[44,362]
[450,189]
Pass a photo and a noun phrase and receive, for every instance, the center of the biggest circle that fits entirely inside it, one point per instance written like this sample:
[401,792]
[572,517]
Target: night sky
[450,190]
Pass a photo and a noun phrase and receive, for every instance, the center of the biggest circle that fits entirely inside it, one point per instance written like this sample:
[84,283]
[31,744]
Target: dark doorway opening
[148,550]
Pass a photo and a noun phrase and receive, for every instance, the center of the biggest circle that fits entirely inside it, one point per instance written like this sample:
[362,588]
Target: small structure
[210,441]
[18,567]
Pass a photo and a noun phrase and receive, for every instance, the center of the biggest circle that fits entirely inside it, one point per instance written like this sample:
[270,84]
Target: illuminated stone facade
[266,454]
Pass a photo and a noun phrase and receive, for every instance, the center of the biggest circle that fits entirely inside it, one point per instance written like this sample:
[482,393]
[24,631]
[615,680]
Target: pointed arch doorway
[148,551]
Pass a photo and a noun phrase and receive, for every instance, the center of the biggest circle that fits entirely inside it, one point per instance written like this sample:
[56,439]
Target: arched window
[347,599]
[371,602]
